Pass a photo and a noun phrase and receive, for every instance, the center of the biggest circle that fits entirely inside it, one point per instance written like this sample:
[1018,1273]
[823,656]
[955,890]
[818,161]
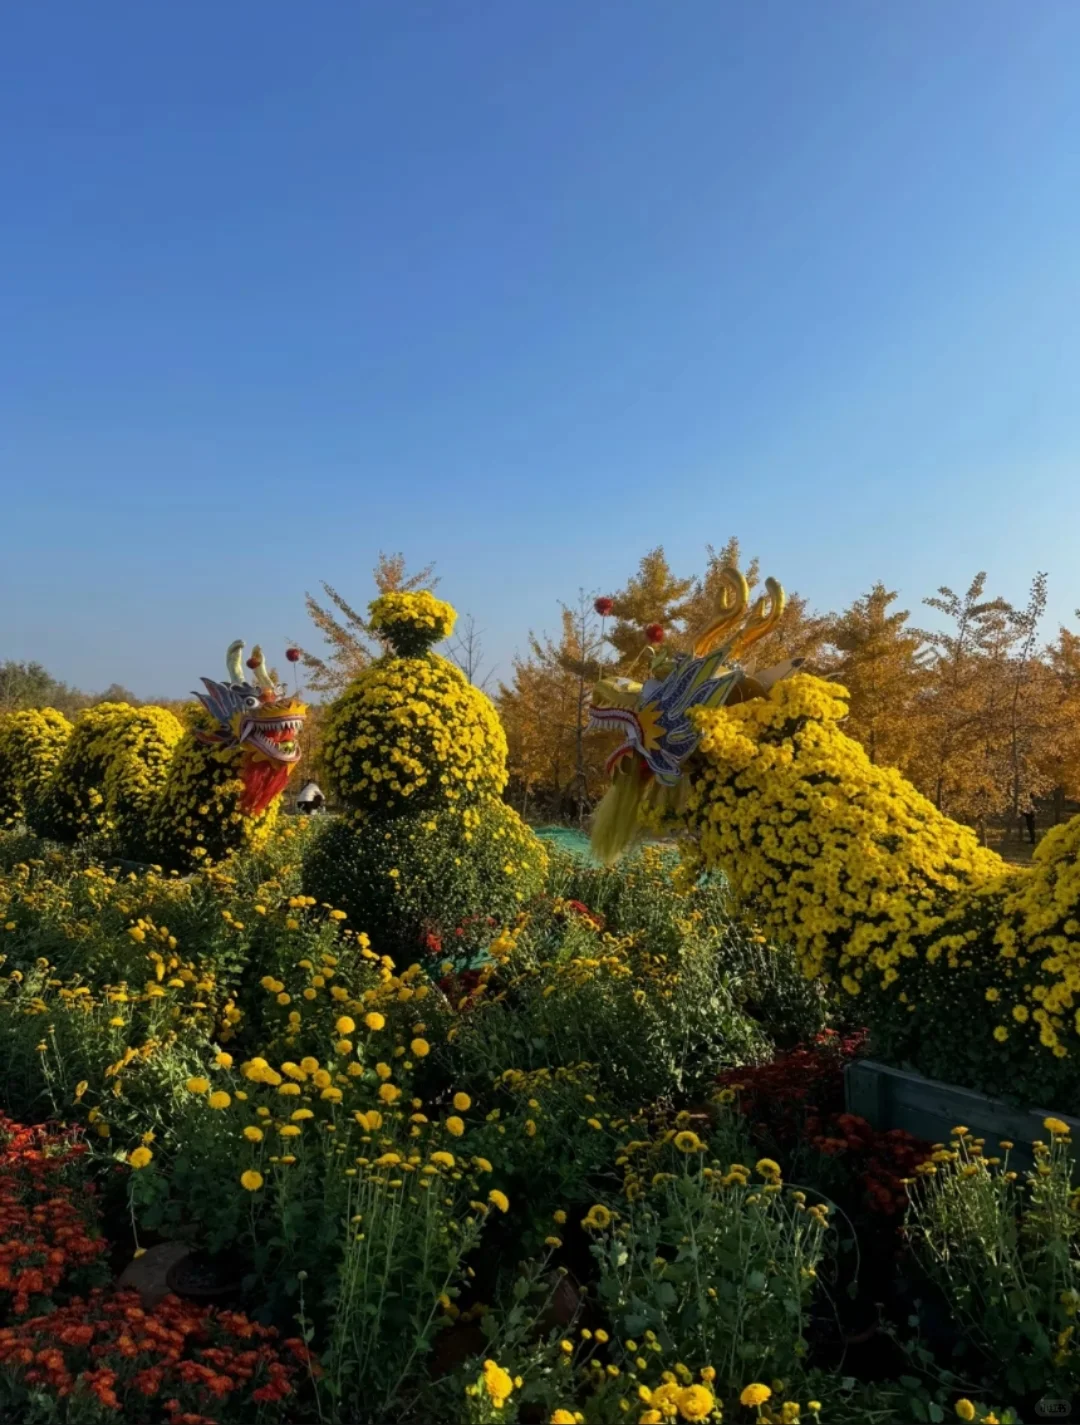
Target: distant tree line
[981,712]
[29,685]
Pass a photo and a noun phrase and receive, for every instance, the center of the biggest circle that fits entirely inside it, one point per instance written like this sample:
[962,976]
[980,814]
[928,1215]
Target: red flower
[799,1098]
[654,633]
[604,605]
[592,917]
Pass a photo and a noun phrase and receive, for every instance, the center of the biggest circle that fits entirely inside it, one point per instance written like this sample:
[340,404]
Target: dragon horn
[763,617]
[262,677]
[734,597]
[232,662]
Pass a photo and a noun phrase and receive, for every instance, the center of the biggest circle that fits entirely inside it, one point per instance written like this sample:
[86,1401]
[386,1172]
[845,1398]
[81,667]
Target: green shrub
[649,896]
[412,883]
[720,1267]
[1005,1251]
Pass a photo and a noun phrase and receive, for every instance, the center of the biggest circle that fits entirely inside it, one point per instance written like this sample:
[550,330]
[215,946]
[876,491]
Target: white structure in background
[310,799]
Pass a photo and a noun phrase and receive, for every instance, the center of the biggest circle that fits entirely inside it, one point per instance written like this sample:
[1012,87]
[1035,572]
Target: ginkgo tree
[881,661]
[352,643]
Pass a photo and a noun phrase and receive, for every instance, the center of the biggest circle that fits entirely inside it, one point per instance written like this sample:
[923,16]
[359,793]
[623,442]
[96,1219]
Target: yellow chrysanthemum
[755,1394]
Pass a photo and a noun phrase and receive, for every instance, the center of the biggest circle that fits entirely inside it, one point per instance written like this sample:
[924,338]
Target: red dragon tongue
[263,781]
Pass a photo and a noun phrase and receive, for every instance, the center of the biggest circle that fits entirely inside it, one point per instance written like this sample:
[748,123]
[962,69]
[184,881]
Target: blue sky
[525,289]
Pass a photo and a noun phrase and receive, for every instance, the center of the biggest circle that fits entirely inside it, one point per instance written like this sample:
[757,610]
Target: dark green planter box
[896,1098]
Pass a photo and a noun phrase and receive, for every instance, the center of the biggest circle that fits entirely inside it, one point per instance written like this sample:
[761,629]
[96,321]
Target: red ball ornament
[293,655]
[655,633]
[603,606]
[254,662]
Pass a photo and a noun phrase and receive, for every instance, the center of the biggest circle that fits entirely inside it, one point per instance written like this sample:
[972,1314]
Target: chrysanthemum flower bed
[48,1220]
[179,1363]
[796,1103]
[515,1198]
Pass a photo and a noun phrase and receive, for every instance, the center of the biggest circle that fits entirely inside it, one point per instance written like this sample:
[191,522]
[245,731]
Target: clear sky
[524,288]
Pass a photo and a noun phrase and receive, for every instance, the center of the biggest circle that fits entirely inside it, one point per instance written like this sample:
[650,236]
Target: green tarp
[566,838]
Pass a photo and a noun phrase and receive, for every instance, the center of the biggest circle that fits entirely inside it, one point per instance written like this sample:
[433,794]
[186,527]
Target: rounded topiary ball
[31,745]
[411,734]
[73,804]
[413,883]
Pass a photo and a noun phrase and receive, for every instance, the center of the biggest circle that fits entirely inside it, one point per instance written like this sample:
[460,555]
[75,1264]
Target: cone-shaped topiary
[31,745]
[417,755]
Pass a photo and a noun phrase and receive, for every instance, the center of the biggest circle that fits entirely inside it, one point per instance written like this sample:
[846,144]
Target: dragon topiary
[962,965]
[144,786]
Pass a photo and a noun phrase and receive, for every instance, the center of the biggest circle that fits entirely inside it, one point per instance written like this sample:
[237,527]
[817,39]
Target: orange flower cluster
[47,1230]
[185,1357]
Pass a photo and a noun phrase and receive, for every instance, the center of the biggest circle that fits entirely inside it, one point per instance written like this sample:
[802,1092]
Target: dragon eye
[251,702]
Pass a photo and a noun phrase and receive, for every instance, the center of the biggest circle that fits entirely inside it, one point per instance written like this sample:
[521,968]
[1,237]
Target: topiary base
[436,886]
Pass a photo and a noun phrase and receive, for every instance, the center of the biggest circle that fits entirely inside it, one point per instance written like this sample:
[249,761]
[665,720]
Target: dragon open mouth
[605,717]
[276,737]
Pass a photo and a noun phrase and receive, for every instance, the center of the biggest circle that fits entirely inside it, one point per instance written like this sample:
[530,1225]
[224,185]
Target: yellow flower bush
[136,752]
[411,621]
[132,776]
[1002,1246]
[73,805]
[129,776]
[412,735]
[843,857]
[31,746]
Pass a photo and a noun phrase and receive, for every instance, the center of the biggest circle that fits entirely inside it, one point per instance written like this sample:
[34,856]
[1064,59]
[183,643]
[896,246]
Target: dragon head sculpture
[654,717]
[261,720]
